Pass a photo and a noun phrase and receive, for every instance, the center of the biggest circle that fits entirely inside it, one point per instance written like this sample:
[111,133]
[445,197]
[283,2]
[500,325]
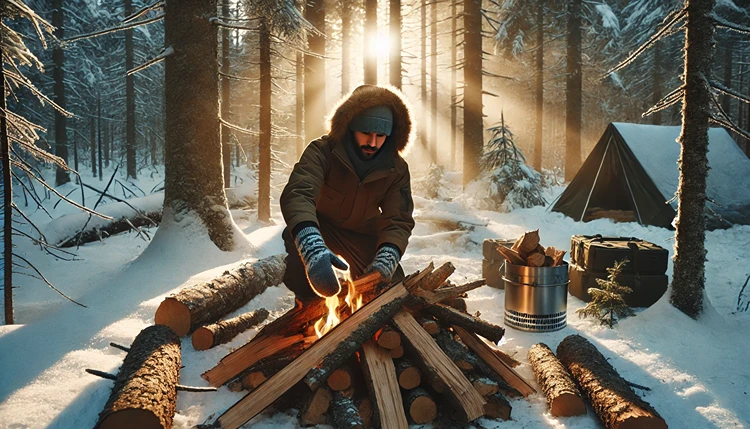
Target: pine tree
[512,182]
[607,302]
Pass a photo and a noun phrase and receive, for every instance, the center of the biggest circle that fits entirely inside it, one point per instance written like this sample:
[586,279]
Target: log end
[397,352]
[567,405]
[130,418]
[410,378]
[388,339]
[203,339]
[642,422]
[423,410]
[339,380]
[174,314]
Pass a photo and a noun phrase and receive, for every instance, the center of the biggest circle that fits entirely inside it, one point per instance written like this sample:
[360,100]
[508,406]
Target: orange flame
[353,300]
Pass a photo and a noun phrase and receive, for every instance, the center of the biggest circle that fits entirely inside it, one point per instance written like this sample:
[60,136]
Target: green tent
[632,174]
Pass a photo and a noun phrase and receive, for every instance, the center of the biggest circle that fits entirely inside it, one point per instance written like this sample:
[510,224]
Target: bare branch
[44,279]
[113,29]
[238,128]
[157,5]
[723,23]
[667,101]
[728,91]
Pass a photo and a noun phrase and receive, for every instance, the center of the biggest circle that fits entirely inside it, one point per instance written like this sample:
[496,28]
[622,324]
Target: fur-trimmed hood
[366,96]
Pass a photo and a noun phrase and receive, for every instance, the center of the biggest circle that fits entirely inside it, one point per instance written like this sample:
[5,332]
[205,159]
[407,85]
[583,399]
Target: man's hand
[386,261]
[319,262]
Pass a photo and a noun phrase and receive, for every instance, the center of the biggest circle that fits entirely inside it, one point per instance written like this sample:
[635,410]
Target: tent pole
[595,179]
[638,212]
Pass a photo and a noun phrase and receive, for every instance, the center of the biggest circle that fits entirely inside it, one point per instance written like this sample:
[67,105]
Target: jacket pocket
[330,202]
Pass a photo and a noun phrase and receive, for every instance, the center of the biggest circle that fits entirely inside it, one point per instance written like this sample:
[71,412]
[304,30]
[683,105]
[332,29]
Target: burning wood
[361,322]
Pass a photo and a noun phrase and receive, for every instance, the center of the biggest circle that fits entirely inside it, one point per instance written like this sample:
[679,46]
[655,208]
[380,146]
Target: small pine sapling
[513,183]
[607,302]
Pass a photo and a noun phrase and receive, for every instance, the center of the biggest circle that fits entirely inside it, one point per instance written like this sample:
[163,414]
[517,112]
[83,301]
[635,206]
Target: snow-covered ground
[698,371]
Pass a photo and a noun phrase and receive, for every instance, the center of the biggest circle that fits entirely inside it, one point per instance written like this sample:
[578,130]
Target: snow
[697,370]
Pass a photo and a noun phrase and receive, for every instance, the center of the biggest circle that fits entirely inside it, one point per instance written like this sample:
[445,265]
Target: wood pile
[527,251]
[403,357]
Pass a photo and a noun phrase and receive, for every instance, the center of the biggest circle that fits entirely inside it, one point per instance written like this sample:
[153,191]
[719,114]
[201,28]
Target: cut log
[484,386]
[340,379]
[438,277]
[365,408]
[614,401]
[511,255]
[419,406]
[314,411]
[497,407]
[557,384]
[244,357]
[248,407]
[344,414]
[488,356]
[382,383]
[429,324]
[452,316]
[457,303]
[222,332]
[144,394]
[208,302]
[527,243]
[434,362]
[407,373]
[388,338]
[397,352]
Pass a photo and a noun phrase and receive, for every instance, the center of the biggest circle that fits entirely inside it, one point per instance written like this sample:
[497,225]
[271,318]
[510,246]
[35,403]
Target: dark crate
[597,253]
[647,288]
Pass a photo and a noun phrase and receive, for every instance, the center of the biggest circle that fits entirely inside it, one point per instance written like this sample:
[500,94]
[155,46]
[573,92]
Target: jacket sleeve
[301,193]
[396,219]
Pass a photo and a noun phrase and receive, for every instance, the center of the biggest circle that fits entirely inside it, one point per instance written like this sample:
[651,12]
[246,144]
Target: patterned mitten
[319,262]
[386,260]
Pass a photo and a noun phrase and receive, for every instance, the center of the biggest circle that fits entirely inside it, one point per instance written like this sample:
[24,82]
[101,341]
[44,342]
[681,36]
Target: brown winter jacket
[324,187]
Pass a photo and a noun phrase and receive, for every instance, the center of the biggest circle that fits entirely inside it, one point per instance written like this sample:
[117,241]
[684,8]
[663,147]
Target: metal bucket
[536,298]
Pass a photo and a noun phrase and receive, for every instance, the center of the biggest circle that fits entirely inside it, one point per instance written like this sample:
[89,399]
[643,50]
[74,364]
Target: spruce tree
[607,302]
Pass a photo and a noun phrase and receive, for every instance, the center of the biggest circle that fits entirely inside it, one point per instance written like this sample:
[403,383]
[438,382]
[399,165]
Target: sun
[380,45]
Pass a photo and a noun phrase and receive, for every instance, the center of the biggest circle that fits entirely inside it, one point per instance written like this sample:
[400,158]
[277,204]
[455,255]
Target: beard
[368,152]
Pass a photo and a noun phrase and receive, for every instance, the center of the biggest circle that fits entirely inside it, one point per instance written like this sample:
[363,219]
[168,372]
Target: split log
[314,411]
[421,297]
[388,338]
[527,243]
[209,302]
[407,373]
[382,383]
[452,316]
[438,277]
[536,259]
[457,303]
[484,386]
[508,359]
[497,407]
[614,401]
[435,363]
[511,255]
[340,379]
[222,332]
[144,394]
[498,366]
[556,255]
[419,406]
[558,385]
[397,352]
[244,357]
[348,332]
[344,414]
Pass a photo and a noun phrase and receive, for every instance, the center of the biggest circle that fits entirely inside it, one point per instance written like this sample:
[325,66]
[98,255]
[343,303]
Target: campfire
[381,355]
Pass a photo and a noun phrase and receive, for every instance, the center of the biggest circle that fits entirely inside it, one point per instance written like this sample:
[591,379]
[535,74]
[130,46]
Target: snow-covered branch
[157,59]
[113,29]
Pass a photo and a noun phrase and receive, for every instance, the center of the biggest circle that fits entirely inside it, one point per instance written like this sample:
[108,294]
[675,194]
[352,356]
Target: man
[350,195]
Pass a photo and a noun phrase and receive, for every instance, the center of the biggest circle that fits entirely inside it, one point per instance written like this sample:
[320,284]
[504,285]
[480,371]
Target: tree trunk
[226,144]
[433,79]
[7,200]
[346,29]
[371,34]
[617,406]
[395,38]
[145,392]
[537,161]
[264,144]
[422,131]
[728,52]
[688,279]
[107,130]
[473,126]
[121,223]
[92,143]
[573,94]
[194,182]
[656,89]
[453,65]
[99,134]
[58,58]
[130,160]
[299,104]
[208,302]
[222,332]
[315,72]
[558,385]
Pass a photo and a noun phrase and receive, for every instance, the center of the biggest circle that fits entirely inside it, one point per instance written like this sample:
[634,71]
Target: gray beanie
[378,119]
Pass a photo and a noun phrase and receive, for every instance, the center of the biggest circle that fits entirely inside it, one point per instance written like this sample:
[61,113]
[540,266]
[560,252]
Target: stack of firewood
[404,357]
[527,251]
